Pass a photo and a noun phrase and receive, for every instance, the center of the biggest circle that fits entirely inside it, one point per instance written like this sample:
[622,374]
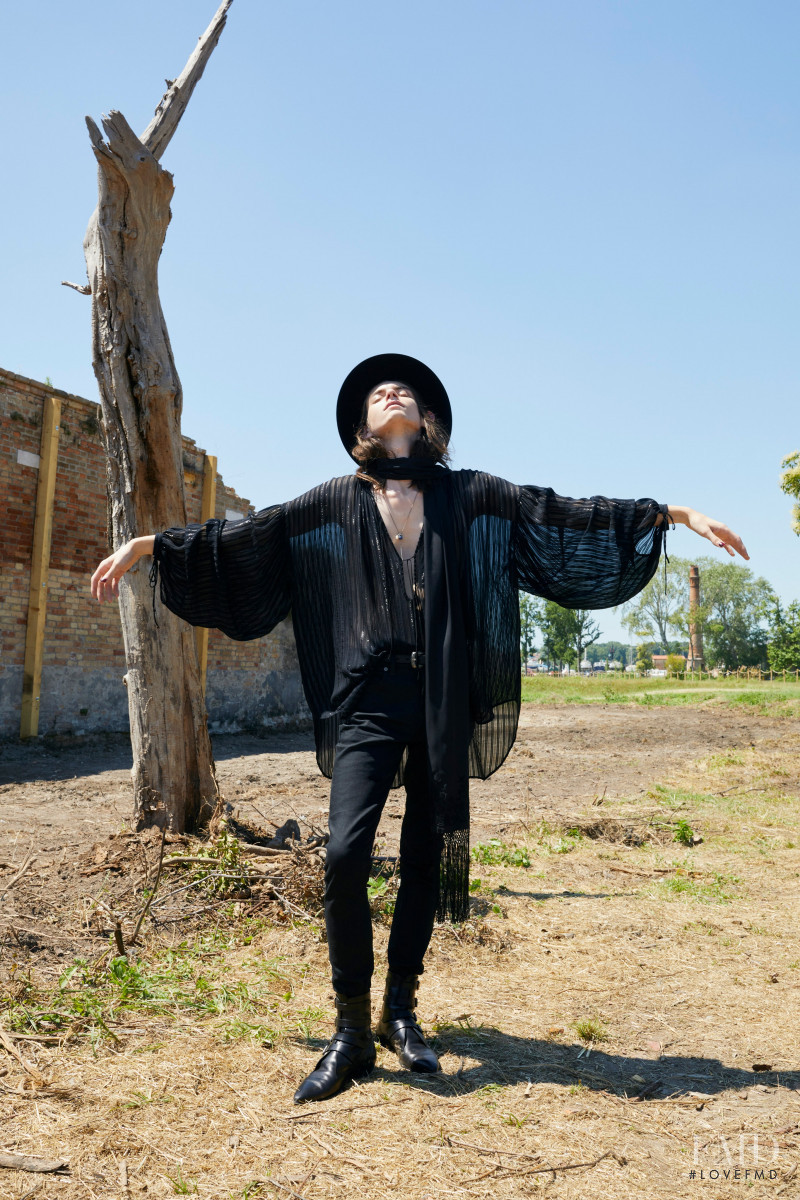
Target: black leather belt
[416,660]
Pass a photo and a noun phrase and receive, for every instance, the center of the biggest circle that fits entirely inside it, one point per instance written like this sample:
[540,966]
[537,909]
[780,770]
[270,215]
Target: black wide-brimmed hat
[382,368]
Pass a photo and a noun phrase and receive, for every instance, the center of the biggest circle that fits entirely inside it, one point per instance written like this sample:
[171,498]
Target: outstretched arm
[105,580]
[227,575]
[718,534]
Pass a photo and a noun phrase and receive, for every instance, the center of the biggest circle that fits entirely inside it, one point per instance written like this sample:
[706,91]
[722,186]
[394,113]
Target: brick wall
[249,684]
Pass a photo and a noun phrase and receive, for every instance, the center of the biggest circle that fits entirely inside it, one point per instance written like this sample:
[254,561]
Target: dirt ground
[563,757]
[619,1018]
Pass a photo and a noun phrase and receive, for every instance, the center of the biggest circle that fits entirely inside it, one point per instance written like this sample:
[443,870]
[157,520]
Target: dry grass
[606,1005]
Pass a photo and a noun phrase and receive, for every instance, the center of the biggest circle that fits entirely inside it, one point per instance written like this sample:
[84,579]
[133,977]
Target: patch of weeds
[382,896]
[578,1089]
[90,999]
[239,1030]
[181,1186]
[566,844]
[225,874]
[684,833]
[701,927]
[488,1092]
[515,1121]
[255,1188]
[715,889]
[307,1020]
[496,853]
[729,758]
[675,797]
[591,1029]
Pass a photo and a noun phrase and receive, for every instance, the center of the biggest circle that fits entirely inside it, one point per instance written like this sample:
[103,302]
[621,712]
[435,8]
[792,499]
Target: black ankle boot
[349,1054]
[398,1029]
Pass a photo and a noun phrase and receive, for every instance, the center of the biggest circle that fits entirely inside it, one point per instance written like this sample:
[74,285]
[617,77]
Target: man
[402,580]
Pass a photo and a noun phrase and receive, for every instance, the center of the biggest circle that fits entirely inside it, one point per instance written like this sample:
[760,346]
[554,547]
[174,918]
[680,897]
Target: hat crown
[381,368]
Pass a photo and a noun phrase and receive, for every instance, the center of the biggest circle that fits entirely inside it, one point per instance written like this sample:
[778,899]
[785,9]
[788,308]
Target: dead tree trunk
[140,392]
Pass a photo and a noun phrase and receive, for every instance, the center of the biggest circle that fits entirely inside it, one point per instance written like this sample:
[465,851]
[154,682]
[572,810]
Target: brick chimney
[695,660]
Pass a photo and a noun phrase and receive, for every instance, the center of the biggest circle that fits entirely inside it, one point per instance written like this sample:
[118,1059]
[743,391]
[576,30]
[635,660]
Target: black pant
[389,716]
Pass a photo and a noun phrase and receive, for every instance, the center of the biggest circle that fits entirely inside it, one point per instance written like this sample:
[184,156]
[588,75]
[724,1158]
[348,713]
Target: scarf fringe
[453,898]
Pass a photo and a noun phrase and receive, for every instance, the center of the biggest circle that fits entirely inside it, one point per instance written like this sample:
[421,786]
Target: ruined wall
[250,685]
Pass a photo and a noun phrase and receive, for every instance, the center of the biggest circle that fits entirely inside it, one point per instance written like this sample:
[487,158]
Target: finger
[733,539]
[95,580]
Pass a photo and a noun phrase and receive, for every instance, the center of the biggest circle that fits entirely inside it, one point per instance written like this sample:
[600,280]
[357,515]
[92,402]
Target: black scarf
[448,725]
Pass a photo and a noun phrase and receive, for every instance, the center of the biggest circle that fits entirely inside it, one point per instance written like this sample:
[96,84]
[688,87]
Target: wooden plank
[40,568]
[208,505]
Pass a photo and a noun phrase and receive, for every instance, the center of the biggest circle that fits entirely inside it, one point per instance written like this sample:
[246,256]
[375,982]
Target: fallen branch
[35,1075]
[149,900]
[283,1187]
[301,912]
[15,878]
[558,1167]
[315,1112]
[486,1150]
[26,1162]
[201,862]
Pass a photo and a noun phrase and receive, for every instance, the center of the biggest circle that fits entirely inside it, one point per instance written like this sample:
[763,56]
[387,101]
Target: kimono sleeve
[227,575]
[590,553]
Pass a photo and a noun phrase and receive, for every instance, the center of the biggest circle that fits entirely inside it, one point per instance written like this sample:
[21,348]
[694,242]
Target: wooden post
[40,567]
[208,504]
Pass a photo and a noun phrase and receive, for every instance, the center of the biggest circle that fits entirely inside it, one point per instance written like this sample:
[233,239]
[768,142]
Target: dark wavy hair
[431,441]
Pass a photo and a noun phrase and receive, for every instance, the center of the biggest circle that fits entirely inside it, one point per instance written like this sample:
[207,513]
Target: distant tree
[783,649]
[675,662]
[529,615]
[588,631]
[655,607]
[558,633]
[566,632]
[790,483]
[644,657]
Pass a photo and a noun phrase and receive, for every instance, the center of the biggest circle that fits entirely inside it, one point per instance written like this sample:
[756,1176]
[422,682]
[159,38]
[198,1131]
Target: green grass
[496,853]
[774,698]
[715,888]
[91,999]
[590,1029]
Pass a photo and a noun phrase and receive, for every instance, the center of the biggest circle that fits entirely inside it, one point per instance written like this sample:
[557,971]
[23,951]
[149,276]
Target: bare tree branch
[173,103]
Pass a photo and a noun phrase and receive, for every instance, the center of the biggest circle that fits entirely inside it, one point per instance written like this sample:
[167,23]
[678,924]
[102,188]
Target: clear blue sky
[581,213]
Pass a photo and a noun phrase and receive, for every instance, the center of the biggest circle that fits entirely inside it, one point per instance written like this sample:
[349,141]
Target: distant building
[249,685]
[660,661]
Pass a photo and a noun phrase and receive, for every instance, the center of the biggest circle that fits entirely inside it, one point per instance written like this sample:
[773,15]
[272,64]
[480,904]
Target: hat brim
[382,368]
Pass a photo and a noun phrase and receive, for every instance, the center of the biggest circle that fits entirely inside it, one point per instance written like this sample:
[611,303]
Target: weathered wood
[141,398]
[172,104]
[208,504]
[34,1072]
[40,568]
[27,1162]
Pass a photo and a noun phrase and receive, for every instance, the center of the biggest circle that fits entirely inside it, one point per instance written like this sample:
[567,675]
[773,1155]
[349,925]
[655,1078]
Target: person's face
[392,409]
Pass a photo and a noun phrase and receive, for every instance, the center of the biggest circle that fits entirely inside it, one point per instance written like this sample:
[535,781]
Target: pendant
[398,537]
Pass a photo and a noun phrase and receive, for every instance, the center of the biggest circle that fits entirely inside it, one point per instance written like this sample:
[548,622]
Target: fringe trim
[453,898]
